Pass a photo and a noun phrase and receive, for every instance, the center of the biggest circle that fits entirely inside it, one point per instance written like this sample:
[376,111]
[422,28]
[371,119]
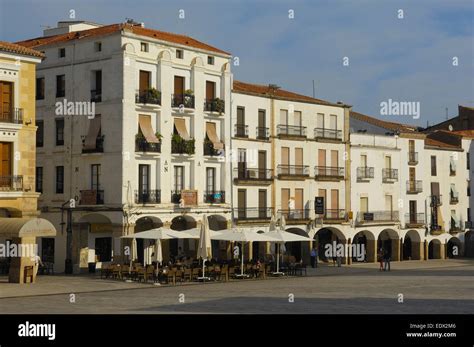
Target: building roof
[395,127]
[114,28]
[440,144]
[14,48]
[277,93]
[464,133]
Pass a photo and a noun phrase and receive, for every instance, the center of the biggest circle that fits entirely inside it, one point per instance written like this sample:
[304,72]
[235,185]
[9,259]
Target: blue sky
[406,59]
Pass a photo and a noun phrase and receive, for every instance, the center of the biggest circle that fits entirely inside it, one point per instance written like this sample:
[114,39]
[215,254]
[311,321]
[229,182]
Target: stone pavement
[435,286]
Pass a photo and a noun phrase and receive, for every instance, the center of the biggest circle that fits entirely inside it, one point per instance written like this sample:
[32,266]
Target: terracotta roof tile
[114,28]
[14,48]
[384,124]
[266,91]
[437,143]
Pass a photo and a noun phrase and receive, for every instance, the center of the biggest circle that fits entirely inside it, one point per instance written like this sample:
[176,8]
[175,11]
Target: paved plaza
[428,287]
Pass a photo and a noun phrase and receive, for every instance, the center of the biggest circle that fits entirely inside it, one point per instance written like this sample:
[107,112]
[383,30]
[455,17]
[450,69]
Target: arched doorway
[259,249]
[469,244]
[220,249]
[412,246]
[454,248]
[434,249]
[182,247]
[327,236]
[300,249]
[389,242]
[364,242]
[145,247]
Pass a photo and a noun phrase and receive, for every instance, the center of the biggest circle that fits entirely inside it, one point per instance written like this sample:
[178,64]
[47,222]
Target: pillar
[371,251]
[349,252]
[18,264]
[417,251]
[425,250]
[395,250]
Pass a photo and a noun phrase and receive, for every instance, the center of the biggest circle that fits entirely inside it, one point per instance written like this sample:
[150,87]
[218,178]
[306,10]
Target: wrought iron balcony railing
[331,134]
[389,175]
[328,172]
[11,183]
[186,100]
[241,130]
[263,133]
[293,170]
[152,196]
[365,173]
[412,219]
[414,187]
[291,130]
[252,213]
[253,174]
[11,115]
[214,196]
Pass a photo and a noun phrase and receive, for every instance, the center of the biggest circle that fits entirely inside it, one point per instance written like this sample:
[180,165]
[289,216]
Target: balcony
[332,216]
[436,229]
[96,95]
[263,133]
[328,173]
[412,158]
[99,145]
[436,200]
[293,172]
[142,145]
[389,175]
[469,224]
[149,96]
[175,196]
[182,100]
[414,187]
[181,146]
[414,220]
[214,106]
[11,115]
[148,196]
[295,216]
[297,131]
[252,214]
[253,176]
[454,227]
[453,198]
[11,183]
[214,197]
[365,173]
[91,197]
[377,217]
[327,134]
[209,149]
[241,130]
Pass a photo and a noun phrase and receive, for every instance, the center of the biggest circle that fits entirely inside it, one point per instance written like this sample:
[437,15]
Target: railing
[263,133]
[293,170]
[412,158]
[454,227]
[253,213]
[216,105]
[214,197]
[182,147]
[365,172]
[389,175]
[414,187]
[291,130]
[210,150]
[147,97]
[469,224]
[91,197]
[453,197]
[335,214]
[175,196]
[99,146]
[152,196]
[328,171]
[96,95]
[11,183]
[297,214]
[323,133]
[436,200]
[241,130]
[414,219]
[142,145]
[377,216]
[253,174]
[11,115]
[182,99]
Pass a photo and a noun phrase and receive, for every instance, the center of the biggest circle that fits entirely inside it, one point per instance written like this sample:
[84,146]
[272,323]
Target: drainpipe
[231,150]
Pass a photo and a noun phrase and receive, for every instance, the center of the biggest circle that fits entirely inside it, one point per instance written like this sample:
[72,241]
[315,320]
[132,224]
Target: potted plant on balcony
[153,94]
[188,92]
[218,105]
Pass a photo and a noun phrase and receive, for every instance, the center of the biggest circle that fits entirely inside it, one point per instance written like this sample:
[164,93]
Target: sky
[407,59]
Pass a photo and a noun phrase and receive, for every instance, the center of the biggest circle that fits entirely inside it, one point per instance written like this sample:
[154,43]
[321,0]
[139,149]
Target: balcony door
[210,90]
[364,205]
[144,181]
[262,165]
[299,202]
[6,152]
[322,194]
[320,120]
[144,83]
[335,201]
[241,203]
[299,161]
[333,122]
[321,162]
[285,199]
[411,146]
[6,100]
[210,180]
[412,178]
[178,86]
[242,163]
[389,205]
[412,209]
[262,203]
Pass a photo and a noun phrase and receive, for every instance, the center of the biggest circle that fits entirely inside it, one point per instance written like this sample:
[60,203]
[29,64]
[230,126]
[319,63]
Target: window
[39,133]
[40,88]
[179,178]
[179,54]
[98,46]
[62,52]
[210,180]
[143,179]
[47,249]
[468,162]
[59,132]
[210,60]
[433,166]
[468,188]
[96,86]
[59,179]
[95,177]
[39,180]
[144,47]
[60,86]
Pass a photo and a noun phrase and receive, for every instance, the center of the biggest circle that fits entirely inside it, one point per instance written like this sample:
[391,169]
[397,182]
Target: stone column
[417,251]
[395,250]
[425,250]
[18,264]
[349,252]
[371,251]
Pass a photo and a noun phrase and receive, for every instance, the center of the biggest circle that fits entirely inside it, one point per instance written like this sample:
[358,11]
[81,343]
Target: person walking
[380,259]
[313,257]
[386,261]
[38,263]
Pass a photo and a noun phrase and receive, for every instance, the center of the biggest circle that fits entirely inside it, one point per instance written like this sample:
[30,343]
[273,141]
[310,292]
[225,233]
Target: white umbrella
[205,247]
[282,237]
[243,236]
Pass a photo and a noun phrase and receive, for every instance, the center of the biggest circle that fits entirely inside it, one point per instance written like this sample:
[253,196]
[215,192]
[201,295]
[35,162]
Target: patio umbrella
[243,236]
[205,247]
[282,237]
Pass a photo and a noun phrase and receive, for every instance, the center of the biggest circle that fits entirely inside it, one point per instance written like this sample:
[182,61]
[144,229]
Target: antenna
[313,90]
[447,113]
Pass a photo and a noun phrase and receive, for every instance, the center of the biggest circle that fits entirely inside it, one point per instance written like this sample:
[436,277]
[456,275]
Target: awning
[24,227]
[147,130]
[212,135]
[180,125]
[94,129]
[453,164]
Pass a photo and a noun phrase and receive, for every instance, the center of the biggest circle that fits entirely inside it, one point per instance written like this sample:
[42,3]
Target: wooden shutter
[6,94]
[178,85]
[285,197]
[6,158]
[321,157]
[334,199]
[285,156]
[334,158]
[364,204]
[210,90]
[299,156]
[299,202]
[144,80]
